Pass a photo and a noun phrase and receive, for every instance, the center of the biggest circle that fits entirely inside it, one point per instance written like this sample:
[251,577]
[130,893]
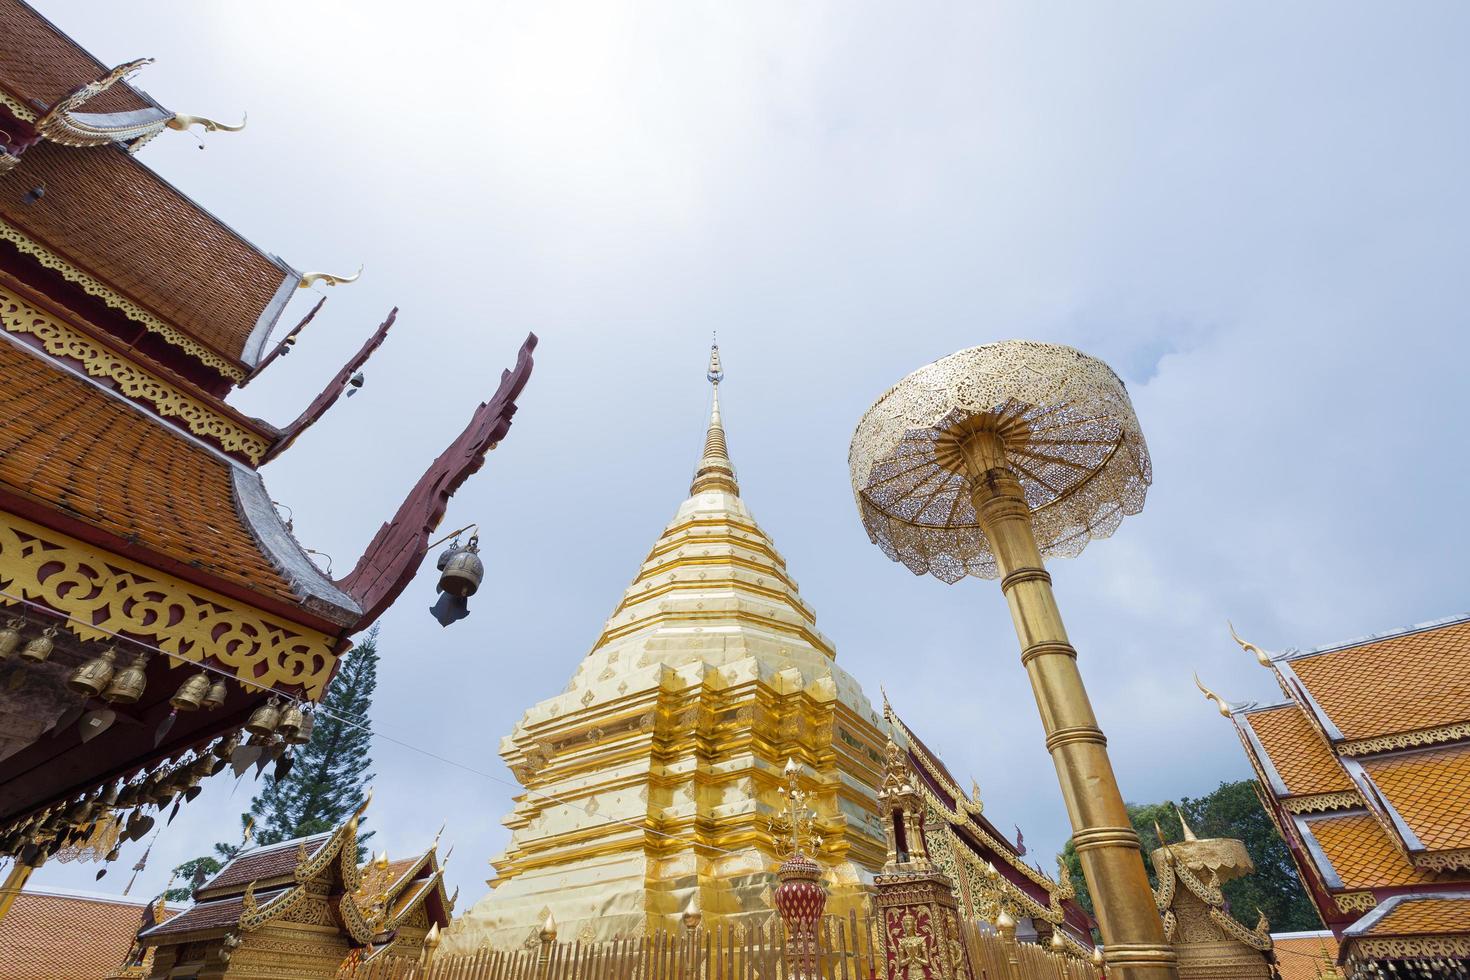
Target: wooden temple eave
[69,338]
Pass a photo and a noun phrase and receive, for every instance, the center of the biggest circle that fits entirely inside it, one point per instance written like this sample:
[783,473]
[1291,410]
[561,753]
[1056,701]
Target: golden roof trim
[1405,740]
[117,301]
[60,340]
[1456,860]
[283,655]
[1322,802]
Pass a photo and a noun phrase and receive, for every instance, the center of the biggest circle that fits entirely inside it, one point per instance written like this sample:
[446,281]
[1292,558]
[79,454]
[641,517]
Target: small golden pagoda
[651,781]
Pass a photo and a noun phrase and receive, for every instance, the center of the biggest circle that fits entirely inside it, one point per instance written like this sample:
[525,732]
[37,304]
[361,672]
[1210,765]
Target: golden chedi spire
[651,780]
[715,471]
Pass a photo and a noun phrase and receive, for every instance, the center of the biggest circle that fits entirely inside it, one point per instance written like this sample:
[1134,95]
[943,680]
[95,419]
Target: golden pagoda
[650,783]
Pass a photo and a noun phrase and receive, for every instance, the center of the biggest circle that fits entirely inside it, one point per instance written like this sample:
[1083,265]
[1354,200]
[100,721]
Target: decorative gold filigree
[1356,901]
[1443,860]
[1070,436]
[1322,802]
[17,108]
[1421,947]
[102,594]
[1405,740]
[59,126]
[60,340]
[94,287]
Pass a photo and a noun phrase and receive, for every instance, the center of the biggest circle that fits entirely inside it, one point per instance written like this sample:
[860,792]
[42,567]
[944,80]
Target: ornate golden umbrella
[980,464]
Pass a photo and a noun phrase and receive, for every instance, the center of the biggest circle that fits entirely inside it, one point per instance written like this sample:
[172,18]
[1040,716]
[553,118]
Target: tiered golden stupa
[651,780]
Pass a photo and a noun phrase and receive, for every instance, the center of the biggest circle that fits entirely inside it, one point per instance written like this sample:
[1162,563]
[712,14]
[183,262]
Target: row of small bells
[273,728]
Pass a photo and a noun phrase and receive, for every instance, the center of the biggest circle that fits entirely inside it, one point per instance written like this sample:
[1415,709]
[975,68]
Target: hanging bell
[289,726]
[129,683]
[40,648]
[217,694]
[264,719]
[10,637]
[92,677]
[460,573]
[191,694]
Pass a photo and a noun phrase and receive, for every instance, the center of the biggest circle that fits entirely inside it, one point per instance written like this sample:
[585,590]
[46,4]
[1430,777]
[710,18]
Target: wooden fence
[846,949]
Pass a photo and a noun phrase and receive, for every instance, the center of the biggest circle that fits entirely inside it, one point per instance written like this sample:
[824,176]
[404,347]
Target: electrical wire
[361,725]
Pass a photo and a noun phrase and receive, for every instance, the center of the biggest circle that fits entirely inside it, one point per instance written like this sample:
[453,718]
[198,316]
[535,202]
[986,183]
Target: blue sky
[1256,212]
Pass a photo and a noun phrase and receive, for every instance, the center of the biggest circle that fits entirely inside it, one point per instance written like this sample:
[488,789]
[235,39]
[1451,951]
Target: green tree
[1232,810]
[327,780]
[331,773]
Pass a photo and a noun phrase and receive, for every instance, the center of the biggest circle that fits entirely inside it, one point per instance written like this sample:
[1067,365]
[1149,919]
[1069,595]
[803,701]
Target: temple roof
[265,863]
[1415,679]
[71,448]
[1297,752]
[98,931]
[1303,955]
[1417,915]
[1359,853]
[1429,791]
[38,63]
[109,216]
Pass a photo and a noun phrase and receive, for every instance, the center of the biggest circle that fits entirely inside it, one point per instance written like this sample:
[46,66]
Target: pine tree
[330,774]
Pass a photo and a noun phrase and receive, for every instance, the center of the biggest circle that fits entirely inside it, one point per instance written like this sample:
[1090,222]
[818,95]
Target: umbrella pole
[1112,862]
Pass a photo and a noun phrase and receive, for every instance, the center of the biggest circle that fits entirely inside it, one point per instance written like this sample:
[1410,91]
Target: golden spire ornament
[715,471]
[982,464]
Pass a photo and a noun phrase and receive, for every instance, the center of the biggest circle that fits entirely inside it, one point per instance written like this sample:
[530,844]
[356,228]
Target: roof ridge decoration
[395,552]
[340,382]
[58,339]
[117,301]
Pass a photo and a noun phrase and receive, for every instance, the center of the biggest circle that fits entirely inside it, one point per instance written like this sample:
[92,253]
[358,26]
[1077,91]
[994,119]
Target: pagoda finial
[715,471]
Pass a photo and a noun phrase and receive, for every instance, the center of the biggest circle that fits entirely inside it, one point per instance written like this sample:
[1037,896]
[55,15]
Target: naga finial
[312,278]
[182,121]
[1261,657]
[1221,704]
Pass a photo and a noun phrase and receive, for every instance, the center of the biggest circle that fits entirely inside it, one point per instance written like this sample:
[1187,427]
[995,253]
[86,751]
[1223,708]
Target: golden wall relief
[105,594]
[60,340]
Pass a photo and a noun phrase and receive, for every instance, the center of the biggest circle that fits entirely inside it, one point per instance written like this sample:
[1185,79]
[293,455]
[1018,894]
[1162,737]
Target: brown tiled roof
[219,914]
[1304,957]
[1424,917]
[1362,854]
[37,61]
[1431,790]
[262,864]
[111,216]
[376,880]
[1297,751]
[1400,683]
[46,936]
[77,450]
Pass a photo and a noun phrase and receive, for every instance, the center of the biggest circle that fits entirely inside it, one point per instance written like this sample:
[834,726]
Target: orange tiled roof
[108,214]
[1361,852]
[76,450]
[39,62]
[1396,684]
[1424,917]
[1430,790]
[1297,751]
[48,935]
[1305,957]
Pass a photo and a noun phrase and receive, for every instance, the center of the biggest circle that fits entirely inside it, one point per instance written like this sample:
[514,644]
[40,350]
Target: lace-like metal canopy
[1070,436]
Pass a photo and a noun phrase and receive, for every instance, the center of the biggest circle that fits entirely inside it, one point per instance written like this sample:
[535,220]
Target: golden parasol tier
[980,464]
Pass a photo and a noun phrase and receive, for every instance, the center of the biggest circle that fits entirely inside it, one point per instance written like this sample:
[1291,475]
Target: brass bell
[92,677]
[191,694]
[461,571]
[129,683]
[40,648]
[264,719]
[10,637]
[218,692]
[225,747]
[289,726]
